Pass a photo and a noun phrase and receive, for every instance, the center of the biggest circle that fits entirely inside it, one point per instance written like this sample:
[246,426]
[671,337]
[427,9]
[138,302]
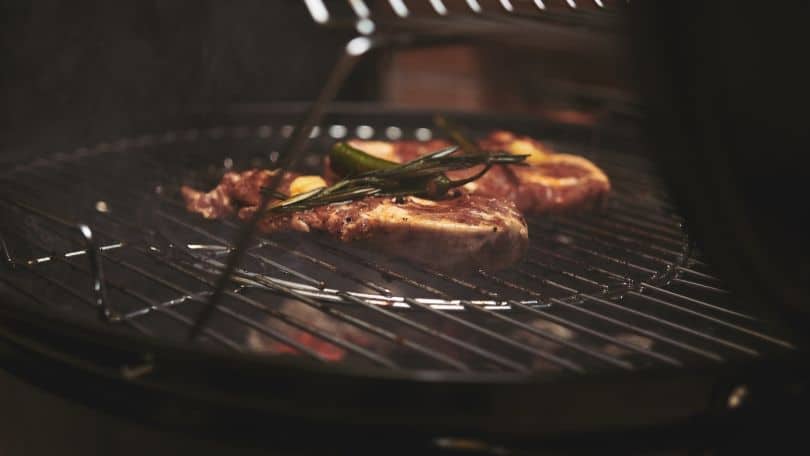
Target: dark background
[73,69]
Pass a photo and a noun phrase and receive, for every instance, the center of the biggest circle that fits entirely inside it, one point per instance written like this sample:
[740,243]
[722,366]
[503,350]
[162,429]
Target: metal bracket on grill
[99,288]
[7,259]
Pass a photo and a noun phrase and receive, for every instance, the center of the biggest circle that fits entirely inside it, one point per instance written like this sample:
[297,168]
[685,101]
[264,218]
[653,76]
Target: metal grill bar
[611,235]
[268,331]
[545,334]
[10,284]
[653,354]
[188,295]
[572,275]
[167,312]
[603,256]
[498,359]
[224,242]
[700,285]
[702,275]
[698,301]
[588,267]
[486,354]
[606,358]
[606,243]
[292,321]
[265,241]
[300,134]
[383,270]
[268,241]
[625,228]
[715,320]
[69,290]
[662,321]
[751,332]
[489,355]
[538,353]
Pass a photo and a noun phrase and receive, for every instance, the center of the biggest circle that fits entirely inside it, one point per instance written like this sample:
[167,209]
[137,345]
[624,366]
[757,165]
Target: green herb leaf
[423,176]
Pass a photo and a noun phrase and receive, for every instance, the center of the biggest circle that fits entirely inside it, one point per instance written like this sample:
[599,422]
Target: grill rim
[710,384]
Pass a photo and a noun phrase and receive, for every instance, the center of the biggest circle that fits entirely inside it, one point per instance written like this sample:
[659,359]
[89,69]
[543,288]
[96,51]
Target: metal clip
[7,259]
[99,287]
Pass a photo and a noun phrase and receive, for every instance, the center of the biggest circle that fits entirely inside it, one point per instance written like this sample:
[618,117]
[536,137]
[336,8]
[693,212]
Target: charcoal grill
[99,236]
[107,274]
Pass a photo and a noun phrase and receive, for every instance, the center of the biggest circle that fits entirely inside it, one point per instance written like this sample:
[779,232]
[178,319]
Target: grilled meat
[554,182]
[242,190]
[466,231]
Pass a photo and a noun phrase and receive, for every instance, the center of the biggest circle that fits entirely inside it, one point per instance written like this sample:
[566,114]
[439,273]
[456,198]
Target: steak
[461,232]
[552,183]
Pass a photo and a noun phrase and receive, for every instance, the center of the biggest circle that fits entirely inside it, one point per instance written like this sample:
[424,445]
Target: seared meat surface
[553,182]
[465,231]
[239,190]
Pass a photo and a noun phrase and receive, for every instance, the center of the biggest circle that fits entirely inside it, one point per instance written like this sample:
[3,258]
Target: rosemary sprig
[455,133]
[423,176]
[453,130]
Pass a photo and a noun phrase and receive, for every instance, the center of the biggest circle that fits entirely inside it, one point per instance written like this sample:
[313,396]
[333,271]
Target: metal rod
[292,321]
[698,301]
[67,289]
[651,353]
[21,290]
[587,266]
[739,328]
[99,287]
[63,260]
[609,234]
[504,362]
[701,286]
[662,321]
[355,49]
[548,267]
[589,238]
[619,261]
[560,340]
[263,259]
[64,223]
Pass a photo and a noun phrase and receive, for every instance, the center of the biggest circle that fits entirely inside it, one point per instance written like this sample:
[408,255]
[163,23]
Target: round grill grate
[619,289]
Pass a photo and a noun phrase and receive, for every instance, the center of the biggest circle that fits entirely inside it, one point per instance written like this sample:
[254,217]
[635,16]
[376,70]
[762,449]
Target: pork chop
[465,231]
[552,183]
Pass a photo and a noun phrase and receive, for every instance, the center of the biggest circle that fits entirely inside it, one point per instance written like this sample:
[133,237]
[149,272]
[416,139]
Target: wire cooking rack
[101,233]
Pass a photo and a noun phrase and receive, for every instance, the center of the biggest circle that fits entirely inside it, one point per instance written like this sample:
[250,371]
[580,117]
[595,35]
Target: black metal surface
[727,121]
[604,294]
[776,392]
